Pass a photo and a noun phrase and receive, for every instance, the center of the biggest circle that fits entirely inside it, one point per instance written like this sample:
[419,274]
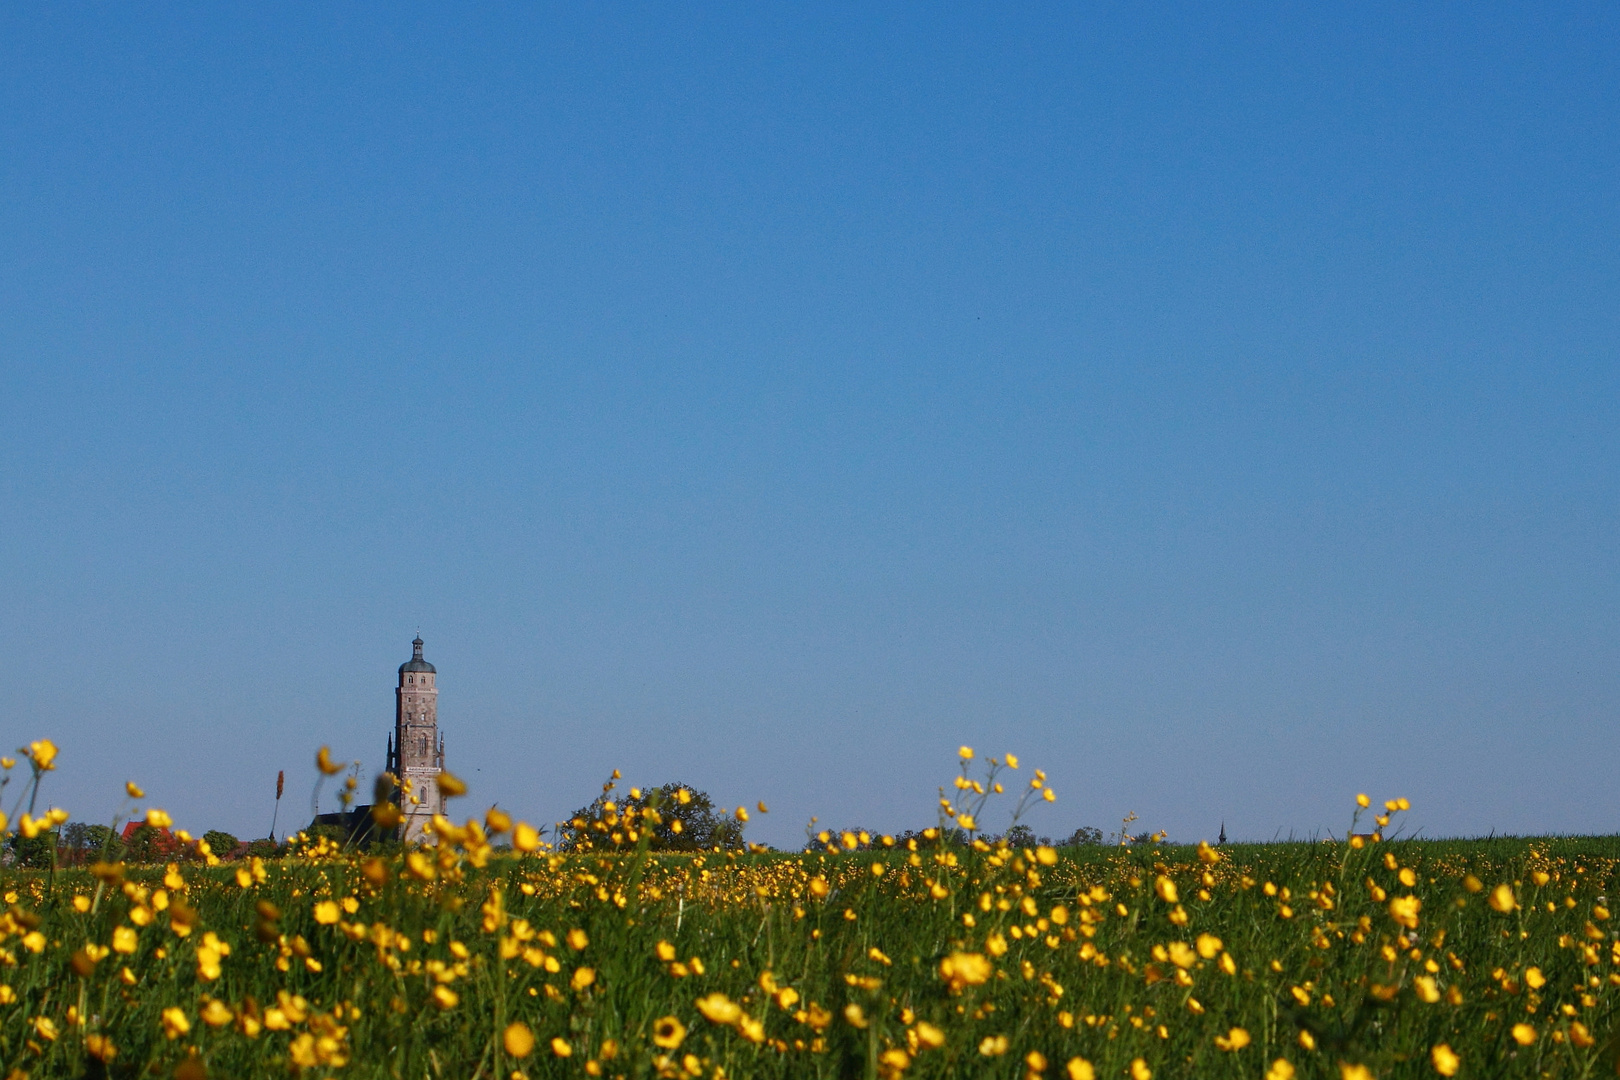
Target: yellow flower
[324,762]
[1580,1035]
[175,1023]
[1281,1069]
[965,753]
[34,941]
[717,1008]
[518,1040]
[577,939]
[1233,1040]
[668,1033]
[1209,946]
[42,754]
[1049,795]
[451,786]
[1166,889]
[1404,910]
[1445,1060]
[326,912]
[1079,1068]
[583,977]
[158,819]
[1502,899]
[525,837]
[445,998]
[1140,1070]
[45,1028]
[216,1013]
[101,1048]
[560,1047]
[961,969]
[1524,1034]
[1534,979]
[967,822]
[1426,989]
[134,790]
[929,1036]
[993,1045]
[1348,1071]
[1363,802]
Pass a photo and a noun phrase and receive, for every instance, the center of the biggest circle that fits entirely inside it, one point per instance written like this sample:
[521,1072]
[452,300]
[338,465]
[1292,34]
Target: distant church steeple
[416,750]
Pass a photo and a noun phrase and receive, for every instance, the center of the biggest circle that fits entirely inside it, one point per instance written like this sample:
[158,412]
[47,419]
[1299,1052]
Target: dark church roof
[416,663]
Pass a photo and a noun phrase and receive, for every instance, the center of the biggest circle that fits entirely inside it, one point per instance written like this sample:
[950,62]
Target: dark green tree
[692,825]
[222,844]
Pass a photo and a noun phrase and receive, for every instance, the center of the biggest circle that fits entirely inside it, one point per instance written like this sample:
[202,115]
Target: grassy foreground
[1346,959]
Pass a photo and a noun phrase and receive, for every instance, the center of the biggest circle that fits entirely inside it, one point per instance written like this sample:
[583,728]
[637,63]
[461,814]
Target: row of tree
[689,823]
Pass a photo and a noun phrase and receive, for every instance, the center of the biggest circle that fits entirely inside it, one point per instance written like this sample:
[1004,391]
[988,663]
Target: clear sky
[1217,407]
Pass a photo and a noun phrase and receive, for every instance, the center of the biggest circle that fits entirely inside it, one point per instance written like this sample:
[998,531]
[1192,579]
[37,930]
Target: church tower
[416,751]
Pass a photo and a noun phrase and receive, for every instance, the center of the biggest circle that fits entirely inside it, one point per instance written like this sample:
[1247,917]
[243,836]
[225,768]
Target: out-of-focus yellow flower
[1445,1060]
[961,969]
[497,821]
[326,912]
[1209,946]
[855,1015]
[717,1008]
[993,1045]
[929,1036]
[518,1040]
[1404,910]
[1523,1034]
[965,753]
[1580,1035]
[1140,1070]
[1281,1069]
[1049,795]
[582,978]
[45,1028]
[158,819]
[561,1047]
[1534,979]
[419,865]
[100,1047]
[967,822]
[1079,1068]
[1349,1071]
[1502,898]
[445,998]
[525,837]
[1426,989]
[1046,856]
[34,941]
[43,754]
[324,762]
[216,1013]
[1166,889]
[174,1023]
[450,785]
[1473,884]
[1207,855]
[1363,802]
[577,939]
[134,790]
[1012,761]
[1233,1040]
[668,1032]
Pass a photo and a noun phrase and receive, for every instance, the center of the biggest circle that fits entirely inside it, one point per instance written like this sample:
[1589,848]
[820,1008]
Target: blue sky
[1217,408]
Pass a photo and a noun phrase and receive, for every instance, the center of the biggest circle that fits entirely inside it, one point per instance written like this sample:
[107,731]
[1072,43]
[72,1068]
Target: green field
[1310,960]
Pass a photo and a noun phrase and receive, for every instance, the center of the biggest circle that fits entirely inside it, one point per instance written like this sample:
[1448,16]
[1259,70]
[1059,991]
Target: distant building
[416,749]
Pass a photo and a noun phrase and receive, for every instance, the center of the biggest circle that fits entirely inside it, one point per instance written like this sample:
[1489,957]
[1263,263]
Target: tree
[684,825]
[32,851]
[82,842]
[222,844]
[1085,834]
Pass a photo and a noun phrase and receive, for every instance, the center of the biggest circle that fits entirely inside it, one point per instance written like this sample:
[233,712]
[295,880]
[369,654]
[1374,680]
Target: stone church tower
[416,750]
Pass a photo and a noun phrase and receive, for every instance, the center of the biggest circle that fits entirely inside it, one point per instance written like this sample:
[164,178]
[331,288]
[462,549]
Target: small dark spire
[416,648]
[1221,839]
